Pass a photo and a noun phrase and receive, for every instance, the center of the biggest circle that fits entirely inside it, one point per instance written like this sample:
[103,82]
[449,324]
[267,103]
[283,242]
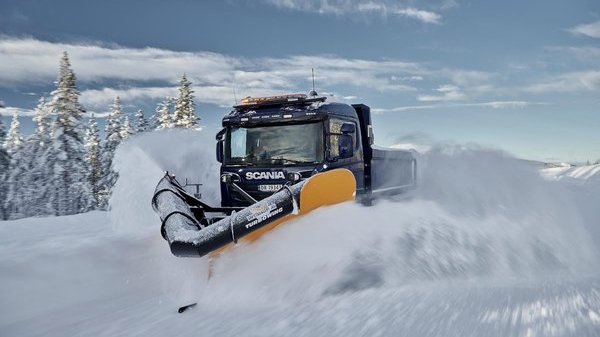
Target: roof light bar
[272,99]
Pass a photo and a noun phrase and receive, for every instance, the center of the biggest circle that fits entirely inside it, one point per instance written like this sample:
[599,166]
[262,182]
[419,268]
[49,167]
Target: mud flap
[187,237]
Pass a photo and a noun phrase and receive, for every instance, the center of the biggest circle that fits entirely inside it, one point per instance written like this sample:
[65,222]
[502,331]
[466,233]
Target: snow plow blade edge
[182,218]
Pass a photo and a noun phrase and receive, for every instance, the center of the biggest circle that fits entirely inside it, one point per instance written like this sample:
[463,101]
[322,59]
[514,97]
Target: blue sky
[523,76]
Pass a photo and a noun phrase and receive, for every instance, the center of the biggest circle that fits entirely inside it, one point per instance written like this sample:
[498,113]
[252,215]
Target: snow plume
[476,214]
[142,160]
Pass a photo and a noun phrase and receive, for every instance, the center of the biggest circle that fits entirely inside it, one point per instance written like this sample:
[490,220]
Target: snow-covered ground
[485,246]
[589,172]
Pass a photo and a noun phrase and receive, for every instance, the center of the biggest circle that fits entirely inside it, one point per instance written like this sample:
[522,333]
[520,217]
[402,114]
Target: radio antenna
[313,93]
[234,95]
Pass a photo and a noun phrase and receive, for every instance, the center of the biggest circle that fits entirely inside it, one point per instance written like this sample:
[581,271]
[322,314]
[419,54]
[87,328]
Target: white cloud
[141,74]
[30,61]
[407,78]
[468,77]
[9,111]
[490,104]
[447,92]
[589,30]
[33,61]
[421,15]
[569,82]
[100,99]
[343,7]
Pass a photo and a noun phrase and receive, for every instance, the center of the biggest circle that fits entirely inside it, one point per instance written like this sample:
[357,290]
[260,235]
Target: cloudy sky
[523,76]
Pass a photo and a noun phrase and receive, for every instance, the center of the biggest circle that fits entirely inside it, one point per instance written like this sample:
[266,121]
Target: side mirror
[219,137]
[346,148]
[220,151]
[348,128]
[220,134]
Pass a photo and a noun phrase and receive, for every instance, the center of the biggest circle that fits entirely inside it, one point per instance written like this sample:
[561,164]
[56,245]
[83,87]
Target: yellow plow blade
[323,189]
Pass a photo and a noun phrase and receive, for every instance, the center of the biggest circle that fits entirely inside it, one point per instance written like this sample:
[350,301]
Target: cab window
[335,127]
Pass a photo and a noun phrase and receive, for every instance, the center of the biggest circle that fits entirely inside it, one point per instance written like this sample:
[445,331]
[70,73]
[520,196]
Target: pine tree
[114,123]
[164,117]
[126,130]
[93,158]
[185,115]
[43,123]
[113,137]
[141,124]
[35,189]
[16,184]
[2,133]
[4,156]
[67,169]
[12,145]
[4,172]
[13,138]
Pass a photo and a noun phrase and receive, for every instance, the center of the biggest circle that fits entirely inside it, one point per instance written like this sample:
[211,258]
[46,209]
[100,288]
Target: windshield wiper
[241,162]
[294,161]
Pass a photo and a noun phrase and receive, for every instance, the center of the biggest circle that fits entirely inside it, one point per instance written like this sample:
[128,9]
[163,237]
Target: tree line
[64,167]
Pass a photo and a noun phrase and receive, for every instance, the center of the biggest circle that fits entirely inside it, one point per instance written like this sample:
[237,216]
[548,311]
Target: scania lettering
[264,175]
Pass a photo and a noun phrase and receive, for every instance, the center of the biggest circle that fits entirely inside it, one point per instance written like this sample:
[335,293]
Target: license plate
[270,188]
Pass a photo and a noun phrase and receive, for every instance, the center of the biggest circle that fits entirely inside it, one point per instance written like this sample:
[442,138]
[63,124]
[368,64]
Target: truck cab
[269,142]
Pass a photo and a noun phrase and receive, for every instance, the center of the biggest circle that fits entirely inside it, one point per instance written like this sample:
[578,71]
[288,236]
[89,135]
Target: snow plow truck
[281,157]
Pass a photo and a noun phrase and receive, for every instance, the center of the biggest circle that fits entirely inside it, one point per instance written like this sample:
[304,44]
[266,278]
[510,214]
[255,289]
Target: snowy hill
[484,247]
[588,172]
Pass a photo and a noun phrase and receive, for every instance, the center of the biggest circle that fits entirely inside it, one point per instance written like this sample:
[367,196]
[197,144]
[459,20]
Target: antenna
[234,96]
[313,92]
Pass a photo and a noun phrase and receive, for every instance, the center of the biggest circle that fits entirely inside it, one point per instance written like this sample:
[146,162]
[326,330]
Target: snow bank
[588,172]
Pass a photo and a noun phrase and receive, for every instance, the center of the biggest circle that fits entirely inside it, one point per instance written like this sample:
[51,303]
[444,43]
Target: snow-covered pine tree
[4,156]
[13,139]
[141,124]
[2,134]
[16,184]
[126,130]
[93,158]
[43,123]
[112,134]
[112,130]
[185,108]
[12,145]
[70,191]
[4,165]
[164,117]
[36,190]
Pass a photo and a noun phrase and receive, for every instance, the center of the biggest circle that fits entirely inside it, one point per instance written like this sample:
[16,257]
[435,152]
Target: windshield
[273,145]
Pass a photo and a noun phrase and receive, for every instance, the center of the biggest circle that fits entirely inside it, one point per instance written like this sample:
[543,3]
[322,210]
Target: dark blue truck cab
[269,142]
